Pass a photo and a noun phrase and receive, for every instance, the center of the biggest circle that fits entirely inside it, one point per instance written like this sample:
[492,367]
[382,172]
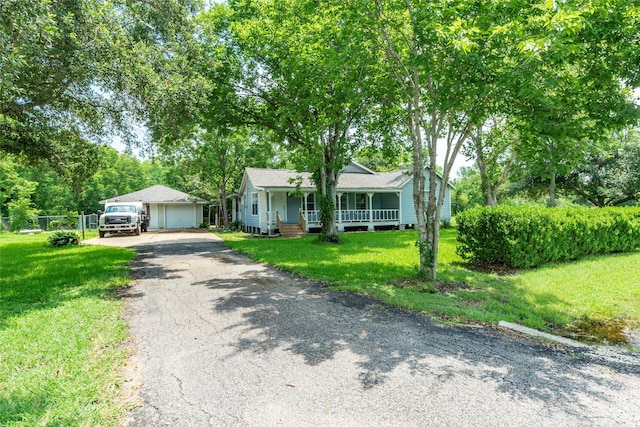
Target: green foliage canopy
[609,176]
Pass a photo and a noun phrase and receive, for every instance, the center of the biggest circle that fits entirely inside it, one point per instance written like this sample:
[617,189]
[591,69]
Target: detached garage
[167,208]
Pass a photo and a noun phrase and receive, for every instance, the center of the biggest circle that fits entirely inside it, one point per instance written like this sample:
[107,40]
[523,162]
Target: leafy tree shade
[580,93]
[298,77]
[555,65]
[448,62]
[493,147]
[609,177]
[16,191]
[212,164]
[59,61]
[120,173]
[381,160]
[467,193]
[74,72]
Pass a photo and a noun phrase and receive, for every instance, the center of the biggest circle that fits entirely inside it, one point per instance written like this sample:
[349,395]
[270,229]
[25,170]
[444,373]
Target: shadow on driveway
[226,341]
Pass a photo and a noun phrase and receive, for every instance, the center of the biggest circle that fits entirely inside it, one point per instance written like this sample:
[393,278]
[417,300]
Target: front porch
[356,211]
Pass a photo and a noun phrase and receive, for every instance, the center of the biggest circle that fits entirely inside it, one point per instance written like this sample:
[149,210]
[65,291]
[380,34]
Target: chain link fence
[60,222]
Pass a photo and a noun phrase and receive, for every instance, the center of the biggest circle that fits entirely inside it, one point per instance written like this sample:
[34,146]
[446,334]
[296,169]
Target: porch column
[234,214]
[304,211]
[340,227]
[401,226]
[370,227]
[269,204]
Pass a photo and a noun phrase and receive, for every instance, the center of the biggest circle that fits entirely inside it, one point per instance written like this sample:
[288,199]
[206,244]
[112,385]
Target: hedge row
[524,236]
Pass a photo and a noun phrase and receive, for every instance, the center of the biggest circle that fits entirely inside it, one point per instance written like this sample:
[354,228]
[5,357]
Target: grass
[561,298]
[60,332]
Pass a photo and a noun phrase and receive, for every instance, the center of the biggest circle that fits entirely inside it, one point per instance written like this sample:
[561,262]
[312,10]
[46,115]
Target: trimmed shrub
[526,236]
[64,238]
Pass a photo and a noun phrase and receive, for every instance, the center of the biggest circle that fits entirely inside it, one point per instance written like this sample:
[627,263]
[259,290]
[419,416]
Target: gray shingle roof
[156,194]
[278,178]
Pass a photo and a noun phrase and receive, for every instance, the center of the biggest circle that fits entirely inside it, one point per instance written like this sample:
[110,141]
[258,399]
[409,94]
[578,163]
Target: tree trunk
[489,188]
[491,198]
[424,243]
[225,208]
[419,205]
[327,206]
[552,190]
[328,177]
[433,223]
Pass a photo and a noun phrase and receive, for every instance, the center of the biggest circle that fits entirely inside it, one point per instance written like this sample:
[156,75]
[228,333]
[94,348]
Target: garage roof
[157,194]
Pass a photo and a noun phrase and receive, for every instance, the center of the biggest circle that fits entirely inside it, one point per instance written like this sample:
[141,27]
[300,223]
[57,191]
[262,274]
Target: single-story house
[167,208]
[269,199]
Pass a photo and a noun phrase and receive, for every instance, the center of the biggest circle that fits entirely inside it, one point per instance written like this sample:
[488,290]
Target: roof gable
[356,167]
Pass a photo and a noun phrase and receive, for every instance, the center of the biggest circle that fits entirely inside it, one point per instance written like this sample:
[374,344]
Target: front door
[279,203]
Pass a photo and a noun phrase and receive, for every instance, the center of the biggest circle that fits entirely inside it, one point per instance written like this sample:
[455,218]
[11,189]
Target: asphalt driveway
[221,340]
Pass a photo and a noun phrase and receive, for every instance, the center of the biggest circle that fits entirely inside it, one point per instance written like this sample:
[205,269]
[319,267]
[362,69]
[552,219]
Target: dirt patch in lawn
[499,269]
[612,331]
[437,286]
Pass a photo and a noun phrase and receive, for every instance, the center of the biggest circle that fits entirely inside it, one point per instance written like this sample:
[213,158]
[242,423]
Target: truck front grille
[117,219]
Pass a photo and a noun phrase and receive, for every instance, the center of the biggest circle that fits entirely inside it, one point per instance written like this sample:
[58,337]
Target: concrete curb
[536,333]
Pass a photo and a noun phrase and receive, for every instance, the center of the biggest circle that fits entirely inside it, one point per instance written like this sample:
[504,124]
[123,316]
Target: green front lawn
[596,296]
[60,332]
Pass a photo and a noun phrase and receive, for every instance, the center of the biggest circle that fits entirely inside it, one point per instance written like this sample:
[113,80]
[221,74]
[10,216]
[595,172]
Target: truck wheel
[101,233]
[137,232]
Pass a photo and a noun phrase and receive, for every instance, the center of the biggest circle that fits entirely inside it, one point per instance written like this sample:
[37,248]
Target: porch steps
[291,230]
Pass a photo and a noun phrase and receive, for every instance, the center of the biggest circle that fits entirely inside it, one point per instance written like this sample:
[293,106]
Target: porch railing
[312,217]
[356,216]
[303,221]
[385,214]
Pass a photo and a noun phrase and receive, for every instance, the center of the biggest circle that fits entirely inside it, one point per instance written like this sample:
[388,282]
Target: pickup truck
[123,217]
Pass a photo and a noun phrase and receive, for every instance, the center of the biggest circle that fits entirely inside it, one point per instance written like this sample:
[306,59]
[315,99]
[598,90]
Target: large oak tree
[74,74]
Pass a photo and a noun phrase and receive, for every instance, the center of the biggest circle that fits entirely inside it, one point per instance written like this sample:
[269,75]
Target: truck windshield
[122,208]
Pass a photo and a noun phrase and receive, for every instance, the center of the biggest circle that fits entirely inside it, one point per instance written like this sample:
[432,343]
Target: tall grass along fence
[524,236]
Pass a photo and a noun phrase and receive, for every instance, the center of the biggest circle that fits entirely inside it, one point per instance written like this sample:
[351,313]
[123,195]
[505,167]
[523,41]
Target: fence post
[82,215]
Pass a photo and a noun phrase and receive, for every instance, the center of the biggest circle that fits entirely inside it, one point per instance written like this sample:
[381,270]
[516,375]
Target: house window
[361,201]
[311,202]
[254,203]
[343,202]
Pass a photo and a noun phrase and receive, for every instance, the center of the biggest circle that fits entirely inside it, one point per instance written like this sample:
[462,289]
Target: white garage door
[180,216]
